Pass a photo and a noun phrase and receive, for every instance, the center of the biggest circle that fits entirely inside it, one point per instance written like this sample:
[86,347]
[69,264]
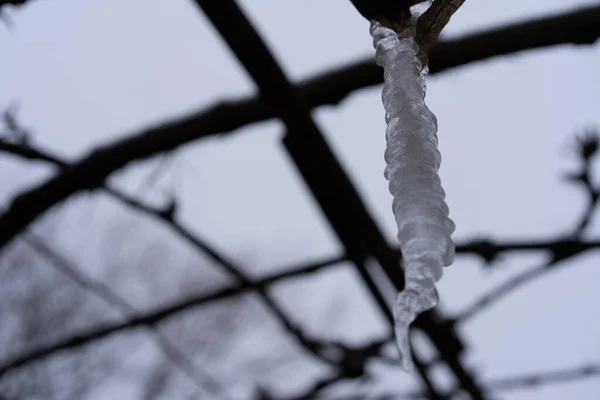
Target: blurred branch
[485,248]
[202,379]
[546,378]
[578,27]
[12,3]
[327,180]
[313,391]
[354,367]
[167,216]
[524,381]
[158,315]
[490,250]
[30,153]
[509,286]
[14,130]
[586,149]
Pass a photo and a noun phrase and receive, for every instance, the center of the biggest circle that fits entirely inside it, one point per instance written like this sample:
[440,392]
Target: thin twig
[201,378]
[167,217]
[545,378]
[587,148]
[507,287]
[524,381]
[102,331]
[431,23]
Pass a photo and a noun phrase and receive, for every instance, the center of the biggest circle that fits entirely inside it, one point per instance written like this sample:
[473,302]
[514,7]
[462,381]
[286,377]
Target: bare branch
[177,357]
[167,217]
[579,27]
[536,379]
[431,23]
[513,284]
[12,2]
[546,378]
[587,149]
[160,314]
[485,248]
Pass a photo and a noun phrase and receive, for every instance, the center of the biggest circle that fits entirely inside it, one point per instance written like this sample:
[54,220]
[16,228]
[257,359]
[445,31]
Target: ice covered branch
[413,160]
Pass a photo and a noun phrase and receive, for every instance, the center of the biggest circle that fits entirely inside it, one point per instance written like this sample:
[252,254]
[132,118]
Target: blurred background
[184,257]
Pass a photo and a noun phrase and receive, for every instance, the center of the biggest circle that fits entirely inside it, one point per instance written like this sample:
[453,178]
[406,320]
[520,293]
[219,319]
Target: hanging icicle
[413,161]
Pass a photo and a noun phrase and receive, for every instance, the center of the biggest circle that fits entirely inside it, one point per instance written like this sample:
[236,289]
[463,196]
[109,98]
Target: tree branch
[524,381]
[579,27]
[431,23]
[587,148]
[201,378]
[160,314]
[167,217]
[544,378]
[485,248]
[513,284]
[12,3]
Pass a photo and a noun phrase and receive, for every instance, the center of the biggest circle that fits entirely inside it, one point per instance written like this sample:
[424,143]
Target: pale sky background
[89,72]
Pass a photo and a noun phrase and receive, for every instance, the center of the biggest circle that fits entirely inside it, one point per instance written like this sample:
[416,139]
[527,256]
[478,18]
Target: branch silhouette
[486,249]
[586,149]
[177,357]
[578,27]
[293,104]
[167,216]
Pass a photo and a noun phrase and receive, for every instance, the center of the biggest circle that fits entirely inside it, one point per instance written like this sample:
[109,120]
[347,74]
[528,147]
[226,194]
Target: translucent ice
[413,160]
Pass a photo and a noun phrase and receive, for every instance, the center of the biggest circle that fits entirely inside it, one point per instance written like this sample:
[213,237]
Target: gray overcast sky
[88,72]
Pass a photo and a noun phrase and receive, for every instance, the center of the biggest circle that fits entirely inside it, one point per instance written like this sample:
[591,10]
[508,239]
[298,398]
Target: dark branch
[579,27]
[545,378]
[177,357]
[12,3]
[586,149]
[160,314]
[490,250]
[431,23]
[515,283]
[353,368]
[524,381]
[485,248]
[167,217]
[327,180]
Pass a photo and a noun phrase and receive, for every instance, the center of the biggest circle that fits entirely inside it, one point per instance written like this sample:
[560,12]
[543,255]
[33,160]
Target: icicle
[413,161]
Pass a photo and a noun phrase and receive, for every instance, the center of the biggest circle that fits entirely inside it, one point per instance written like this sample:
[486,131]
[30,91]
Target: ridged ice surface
[413,161]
